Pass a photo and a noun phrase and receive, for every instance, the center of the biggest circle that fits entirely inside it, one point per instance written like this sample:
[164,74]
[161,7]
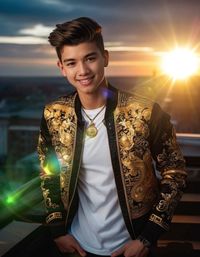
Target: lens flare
[10,199]
[180,63]
[47,170]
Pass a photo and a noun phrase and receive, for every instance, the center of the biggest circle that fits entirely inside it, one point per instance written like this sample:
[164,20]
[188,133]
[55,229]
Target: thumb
[80,250]
[118,252]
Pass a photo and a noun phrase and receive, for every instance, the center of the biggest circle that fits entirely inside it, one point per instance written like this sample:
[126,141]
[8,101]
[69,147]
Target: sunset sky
[135,32]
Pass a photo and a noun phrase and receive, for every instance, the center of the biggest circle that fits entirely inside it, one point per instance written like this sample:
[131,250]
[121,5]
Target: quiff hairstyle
[74,32]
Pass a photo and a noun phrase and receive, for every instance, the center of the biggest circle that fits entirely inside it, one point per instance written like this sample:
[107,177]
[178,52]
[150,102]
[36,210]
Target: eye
[91,58]
[70,64]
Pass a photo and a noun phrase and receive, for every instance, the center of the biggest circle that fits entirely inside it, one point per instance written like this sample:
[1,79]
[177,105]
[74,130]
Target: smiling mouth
[85,81]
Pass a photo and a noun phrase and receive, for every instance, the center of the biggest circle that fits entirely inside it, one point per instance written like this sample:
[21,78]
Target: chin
[89,89]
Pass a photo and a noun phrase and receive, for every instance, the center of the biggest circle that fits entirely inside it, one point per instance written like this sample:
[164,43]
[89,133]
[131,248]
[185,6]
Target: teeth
[85,81]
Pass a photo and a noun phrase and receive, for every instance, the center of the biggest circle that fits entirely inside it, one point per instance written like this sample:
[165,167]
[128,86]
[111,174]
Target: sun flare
[180,63]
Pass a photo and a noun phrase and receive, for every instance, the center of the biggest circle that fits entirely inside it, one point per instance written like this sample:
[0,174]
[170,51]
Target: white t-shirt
[98,225]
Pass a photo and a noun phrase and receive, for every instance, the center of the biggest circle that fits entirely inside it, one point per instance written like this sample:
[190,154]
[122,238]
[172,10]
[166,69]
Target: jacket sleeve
[50,182]
[171,166]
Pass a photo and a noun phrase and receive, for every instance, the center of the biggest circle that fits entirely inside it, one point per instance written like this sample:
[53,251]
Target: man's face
[83,66]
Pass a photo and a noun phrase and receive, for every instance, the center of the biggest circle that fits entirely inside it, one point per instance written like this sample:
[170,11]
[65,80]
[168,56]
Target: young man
[96,148]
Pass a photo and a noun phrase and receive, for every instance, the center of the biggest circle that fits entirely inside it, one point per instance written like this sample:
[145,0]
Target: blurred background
[154,48]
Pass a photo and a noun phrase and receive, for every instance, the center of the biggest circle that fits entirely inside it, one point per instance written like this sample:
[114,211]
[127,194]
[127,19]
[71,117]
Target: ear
[106,58]
[60,66]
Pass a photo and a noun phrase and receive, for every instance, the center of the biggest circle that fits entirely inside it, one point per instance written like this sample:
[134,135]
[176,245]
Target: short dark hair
[74,32]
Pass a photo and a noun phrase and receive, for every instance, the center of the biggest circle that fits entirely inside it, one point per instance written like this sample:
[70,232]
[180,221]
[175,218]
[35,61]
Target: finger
[80,250]
[118,252]
[146,252]
[60,248]
[143,253]
[68,250]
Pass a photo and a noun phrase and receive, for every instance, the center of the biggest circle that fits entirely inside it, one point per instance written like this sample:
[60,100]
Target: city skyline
[136,33]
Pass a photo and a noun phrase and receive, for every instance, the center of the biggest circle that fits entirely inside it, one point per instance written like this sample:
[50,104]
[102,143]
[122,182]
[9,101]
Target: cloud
[125,48]
[23,40]
[131,29]
[29,51]
[38,30]
[132,21]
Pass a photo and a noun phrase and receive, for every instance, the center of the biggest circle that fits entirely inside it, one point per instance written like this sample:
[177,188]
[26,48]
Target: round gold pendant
[91,131]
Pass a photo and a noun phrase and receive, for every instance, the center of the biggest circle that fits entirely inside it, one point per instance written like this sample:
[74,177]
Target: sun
[180,63]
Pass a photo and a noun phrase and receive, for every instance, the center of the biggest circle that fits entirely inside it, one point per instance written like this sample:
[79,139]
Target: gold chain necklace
[91,130]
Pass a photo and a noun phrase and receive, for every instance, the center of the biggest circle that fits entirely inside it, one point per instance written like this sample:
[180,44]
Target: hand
[68,244]
[133,248]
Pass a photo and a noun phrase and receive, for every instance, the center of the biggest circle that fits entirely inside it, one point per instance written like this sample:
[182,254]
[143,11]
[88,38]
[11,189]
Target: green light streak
[47,170]
[10,199]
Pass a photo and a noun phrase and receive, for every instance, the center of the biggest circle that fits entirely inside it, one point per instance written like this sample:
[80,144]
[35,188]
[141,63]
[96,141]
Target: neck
[93,100]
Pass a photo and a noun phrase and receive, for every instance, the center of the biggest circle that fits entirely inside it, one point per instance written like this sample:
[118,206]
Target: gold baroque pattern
[174,183]
[61,121]
[46,195]
[171,153]
[52,216]
[138,176]
[158,220]
[42,150]
[173,180]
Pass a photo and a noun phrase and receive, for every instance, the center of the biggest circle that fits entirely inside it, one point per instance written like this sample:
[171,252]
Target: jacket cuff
[152,232]
[57,230]
[56,224]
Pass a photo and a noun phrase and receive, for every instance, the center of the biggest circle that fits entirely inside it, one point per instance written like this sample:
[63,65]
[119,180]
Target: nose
[83,69]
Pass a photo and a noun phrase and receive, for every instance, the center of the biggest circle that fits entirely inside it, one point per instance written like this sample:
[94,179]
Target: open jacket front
[138,133]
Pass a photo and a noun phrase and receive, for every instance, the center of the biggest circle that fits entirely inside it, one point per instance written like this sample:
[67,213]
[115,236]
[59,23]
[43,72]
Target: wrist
[143,240]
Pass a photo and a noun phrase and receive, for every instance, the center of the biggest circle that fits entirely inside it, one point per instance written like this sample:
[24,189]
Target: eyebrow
[72,59]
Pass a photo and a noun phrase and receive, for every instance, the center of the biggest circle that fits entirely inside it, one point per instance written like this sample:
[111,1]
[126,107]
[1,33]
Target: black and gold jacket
[140,137]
